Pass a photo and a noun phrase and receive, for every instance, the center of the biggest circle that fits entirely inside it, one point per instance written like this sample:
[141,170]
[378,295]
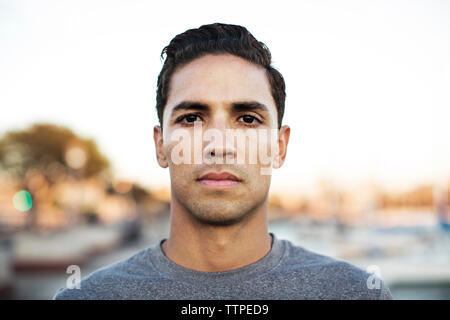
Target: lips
[219,176]
[219,179]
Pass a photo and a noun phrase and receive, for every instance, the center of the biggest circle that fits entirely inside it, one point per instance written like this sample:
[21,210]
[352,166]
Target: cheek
[267,144]
[258,185]
[179,177]
[257,180]
[179,169]
[257,147]
[178,147]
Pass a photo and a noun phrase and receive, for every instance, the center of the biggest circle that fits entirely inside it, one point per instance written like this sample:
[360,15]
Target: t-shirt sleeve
[385,293]
[68,294]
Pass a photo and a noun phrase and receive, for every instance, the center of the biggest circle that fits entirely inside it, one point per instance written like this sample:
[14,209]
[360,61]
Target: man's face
[212,97]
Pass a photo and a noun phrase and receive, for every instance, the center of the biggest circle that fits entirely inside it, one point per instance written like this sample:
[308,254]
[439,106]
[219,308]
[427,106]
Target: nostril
[213,154]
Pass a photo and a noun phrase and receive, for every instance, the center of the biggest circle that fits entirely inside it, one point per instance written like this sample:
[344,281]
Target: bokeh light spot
[76,157]
[22,200]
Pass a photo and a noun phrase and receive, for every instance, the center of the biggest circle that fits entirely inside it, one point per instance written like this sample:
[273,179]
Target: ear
[160,155]
[283,140]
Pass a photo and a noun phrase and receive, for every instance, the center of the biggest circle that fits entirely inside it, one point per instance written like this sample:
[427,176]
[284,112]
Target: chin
[218,213]
[219,220]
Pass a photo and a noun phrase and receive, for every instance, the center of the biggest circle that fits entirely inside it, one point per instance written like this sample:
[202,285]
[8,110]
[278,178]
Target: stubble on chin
[218,212]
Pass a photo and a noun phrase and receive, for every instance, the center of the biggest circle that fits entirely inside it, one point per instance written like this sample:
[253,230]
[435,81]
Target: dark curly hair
[217,38]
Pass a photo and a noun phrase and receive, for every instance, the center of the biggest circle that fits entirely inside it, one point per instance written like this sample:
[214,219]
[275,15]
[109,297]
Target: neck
[211,248]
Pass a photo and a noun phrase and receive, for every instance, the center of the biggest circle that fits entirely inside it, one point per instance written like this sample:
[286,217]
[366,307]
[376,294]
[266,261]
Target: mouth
[219,180]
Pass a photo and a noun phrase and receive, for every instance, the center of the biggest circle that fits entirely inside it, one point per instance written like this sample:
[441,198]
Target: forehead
[220,79]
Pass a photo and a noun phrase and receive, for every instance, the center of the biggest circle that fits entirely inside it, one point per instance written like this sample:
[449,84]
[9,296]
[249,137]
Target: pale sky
[367,81]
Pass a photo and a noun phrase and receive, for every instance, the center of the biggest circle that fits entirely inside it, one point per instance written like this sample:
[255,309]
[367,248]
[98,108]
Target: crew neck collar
[176,271]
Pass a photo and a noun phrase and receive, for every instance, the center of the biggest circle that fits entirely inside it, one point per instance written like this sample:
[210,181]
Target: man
[218,80]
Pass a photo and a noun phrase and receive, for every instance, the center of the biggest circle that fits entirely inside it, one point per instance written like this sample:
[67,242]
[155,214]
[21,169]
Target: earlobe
[160,156]
[283,141]
[163,162]
[276,162]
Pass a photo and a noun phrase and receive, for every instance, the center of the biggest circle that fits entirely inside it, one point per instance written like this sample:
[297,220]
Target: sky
[367,82]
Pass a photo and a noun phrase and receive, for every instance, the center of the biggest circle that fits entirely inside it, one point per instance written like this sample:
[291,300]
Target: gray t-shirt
[286,272]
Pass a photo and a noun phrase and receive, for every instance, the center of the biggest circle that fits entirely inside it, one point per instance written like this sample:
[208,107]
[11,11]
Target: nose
[218,154]
[218,147]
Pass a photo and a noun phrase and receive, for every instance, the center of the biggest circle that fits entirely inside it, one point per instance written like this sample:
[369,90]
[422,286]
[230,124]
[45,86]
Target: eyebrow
[188,105]
[235,106]
[249,106]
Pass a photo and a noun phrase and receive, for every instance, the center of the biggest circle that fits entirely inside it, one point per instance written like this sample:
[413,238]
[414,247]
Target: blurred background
[367,174]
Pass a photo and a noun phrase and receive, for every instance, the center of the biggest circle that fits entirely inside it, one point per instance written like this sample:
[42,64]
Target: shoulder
[115,281]
[332,278]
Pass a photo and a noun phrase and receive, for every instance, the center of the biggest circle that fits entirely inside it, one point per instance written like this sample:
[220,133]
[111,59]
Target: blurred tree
[53,151]
[42,145]
[140,193]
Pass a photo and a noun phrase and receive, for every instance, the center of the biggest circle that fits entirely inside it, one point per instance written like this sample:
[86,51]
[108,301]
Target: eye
[189,118]
[250,120]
